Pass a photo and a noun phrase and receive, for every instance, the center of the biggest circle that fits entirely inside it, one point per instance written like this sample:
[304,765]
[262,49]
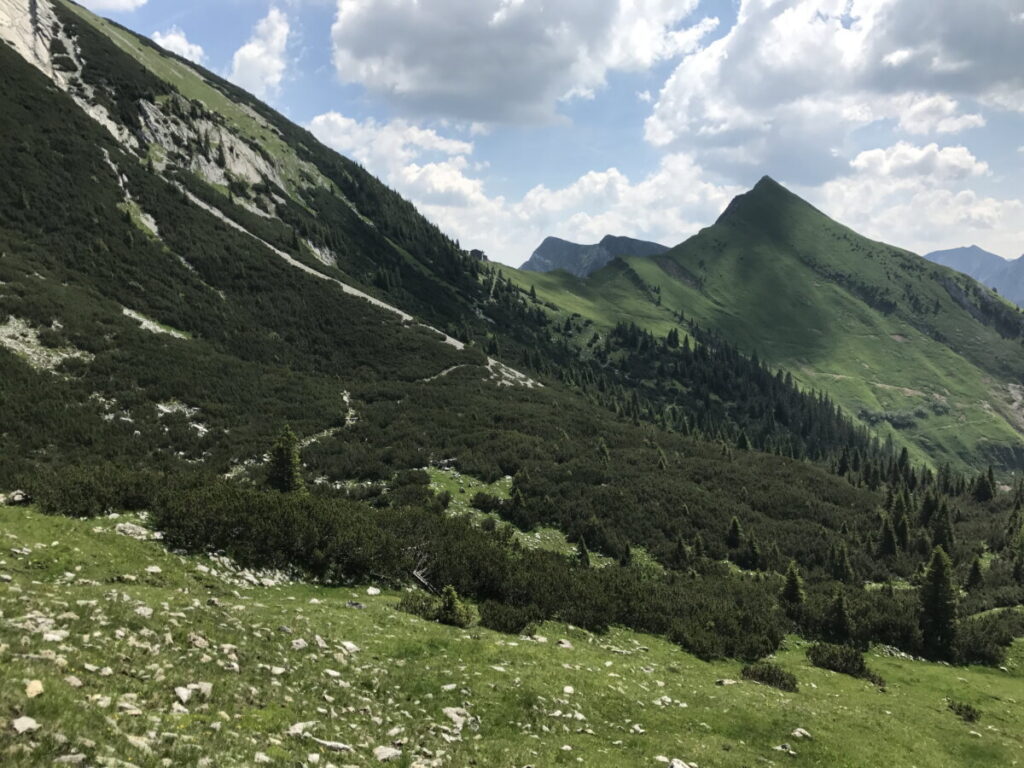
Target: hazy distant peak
[581,260]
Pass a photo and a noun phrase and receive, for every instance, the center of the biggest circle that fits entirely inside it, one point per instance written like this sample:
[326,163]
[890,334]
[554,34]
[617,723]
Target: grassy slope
[761,278]
[90,581]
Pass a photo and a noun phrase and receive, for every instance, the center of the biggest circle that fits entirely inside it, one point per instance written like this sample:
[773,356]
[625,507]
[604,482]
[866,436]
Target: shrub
[93,490]
[510,619]
[964,711]
[842,659]
[770,674]
[454,611]
[422,604]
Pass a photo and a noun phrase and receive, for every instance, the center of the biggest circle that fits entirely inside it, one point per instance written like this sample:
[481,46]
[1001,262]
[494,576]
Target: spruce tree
[938,597]
[842,570]
[942,529]
[285,472]
[888,545]
[840,626]
[976,577]
[734,536]
[793,592]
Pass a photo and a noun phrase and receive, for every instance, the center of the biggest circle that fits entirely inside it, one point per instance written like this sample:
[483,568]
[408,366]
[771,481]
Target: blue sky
[508,120]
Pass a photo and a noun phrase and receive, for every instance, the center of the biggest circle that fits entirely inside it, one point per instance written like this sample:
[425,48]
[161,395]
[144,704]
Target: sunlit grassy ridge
[878,328]
[160,622]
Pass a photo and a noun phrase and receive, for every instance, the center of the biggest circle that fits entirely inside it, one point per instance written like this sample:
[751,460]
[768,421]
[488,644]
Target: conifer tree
[842,570]
[888,545]
[984,486]
[938,597]
[942,532]
[976,577]
[902,529]
[793,592]
[840,626]
[285,472]
[734,536]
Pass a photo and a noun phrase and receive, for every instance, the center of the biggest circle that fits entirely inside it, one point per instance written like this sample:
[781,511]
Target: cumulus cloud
[503,60]
[113,5]
[259,65]
[436,173]
[174,40]
[919,197]
[791,81]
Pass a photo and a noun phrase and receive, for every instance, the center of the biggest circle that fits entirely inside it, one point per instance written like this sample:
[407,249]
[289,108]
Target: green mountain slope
[184,272]
[920,352]
[137,624]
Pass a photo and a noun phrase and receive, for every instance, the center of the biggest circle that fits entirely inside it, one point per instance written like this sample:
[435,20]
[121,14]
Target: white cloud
[936,114]
[434,171]
[931,161]
[916,197]
[503,60]
[259,65]
[113,5]
[792,81]
[383,147]
[174,40]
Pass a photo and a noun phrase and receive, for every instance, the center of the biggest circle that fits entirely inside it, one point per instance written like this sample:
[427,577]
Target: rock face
[581,260]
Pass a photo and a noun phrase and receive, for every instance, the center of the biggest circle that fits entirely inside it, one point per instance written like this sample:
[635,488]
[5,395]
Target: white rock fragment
[154,569]
[334,746]
[183,694]
[34,688]
[372,591]
[25,725]
[386,754]
[297,729]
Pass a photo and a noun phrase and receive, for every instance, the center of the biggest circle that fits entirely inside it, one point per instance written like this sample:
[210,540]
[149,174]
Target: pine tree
[842,570]
[976,577]
[840,626]
[582,553]
[902,529]
[734,536]
[793,592]
[984,486]
[888,545]
[285,473]
[942,529]
[938,598]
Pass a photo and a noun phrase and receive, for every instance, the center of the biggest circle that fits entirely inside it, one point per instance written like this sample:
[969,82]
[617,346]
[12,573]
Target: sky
[506,121]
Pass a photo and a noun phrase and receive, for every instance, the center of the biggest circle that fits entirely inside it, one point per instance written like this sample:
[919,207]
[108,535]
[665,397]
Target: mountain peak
[581,260]
[766,207]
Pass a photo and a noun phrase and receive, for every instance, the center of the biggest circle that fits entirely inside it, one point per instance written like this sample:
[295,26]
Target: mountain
[581,260]
[1002,275]
[289,385]
[921,354]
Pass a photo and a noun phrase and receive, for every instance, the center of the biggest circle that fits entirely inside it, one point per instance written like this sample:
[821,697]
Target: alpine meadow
[296,469]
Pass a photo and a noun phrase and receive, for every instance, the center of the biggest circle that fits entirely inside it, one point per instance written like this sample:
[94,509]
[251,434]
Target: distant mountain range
[581,260]
[1005,276]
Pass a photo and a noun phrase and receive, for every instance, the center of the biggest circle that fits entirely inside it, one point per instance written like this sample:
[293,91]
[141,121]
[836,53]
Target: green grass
[90,582]
[774,277]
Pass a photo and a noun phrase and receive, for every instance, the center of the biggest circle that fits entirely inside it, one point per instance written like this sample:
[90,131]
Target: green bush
[965,711]
[510,619]
[842,659]
[454,611]
[93,490]
[422,604]
[770,674]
